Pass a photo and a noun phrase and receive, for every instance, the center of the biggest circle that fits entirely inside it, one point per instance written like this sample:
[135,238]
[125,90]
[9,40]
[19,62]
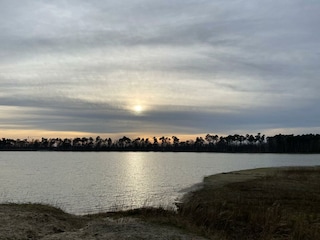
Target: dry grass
[34,221]
[284,205]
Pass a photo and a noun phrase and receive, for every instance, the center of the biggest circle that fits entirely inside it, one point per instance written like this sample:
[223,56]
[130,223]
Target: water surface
[90,182]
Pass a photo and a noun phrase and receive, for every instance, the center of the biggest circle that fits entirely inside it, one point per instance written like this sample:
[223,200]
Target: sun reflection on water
[137,171]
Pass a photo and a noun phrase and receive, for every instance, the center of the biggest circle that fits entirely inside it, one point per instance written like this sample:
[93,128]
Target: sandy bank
[33,221]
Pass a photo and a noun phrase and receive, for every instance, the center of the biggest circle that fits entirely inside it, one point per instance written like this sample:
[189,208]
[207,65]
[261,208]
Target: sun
[137,108]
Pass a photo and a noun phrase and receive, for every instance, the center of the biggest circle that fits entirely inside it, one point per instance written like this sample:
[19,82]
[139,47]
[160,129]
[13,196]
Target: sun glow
[137,108]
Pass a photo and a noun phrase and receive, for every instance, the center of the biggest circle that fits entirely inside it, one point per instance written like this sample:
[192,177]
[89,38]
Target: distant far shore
[168,151]
[307,143]
[264,203]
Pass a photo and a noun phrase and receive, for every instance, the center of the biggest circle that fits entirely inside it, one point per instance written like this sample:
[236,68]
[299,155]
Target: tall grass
[284,205]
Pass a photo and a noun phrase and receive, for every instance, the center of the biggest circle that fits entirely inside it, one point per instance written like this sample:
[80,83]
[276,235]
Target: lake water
[91,182]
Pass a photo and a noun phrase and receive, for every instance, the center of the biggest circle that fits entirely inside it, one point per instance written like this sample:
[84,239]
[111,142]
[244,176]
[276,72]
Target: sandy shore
[33,221]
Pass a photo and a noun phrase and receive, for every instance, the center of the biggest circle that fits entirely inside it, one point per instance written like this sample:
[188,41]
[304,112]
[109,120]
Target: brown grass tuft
[285,205]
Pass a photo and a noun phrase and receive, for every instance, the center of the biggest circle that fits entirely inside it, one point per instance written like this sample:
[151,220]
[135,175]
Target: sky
[153,67]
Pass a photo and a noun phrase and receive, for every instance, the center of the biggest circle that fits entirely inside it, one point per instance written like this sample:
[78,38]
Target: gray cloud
[196,66]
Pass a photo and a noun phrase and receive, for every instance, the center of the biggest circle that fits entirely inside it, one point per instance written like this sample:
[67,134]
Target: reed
[282,205]
[285,205]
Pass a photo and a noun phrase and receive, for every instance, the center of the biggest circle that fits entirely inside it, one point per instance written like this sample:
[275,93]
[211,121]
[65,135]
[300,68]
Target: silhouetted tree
[308,143]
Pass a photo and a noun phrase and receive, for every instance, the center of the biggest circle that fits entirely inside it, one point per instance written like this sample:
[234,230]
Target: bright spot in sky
[138,109]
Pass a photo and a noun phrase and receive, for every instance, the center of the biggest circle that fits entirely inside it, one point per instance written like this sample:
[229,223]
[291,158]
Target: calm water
[93,182]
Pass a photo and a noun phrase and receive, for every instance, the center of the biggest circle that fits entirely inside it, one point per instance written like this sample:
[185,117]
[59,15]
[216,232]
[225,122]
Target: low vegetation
[271,203]
[283,204]
[34,221]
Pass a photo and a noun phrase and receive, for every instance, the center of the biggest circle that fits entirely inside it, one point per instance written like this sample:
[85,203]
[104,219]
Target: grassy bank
[271,203]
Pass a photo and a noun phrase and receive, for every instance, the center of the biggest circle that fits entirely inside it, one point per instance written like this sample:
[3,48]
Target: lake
[91,182]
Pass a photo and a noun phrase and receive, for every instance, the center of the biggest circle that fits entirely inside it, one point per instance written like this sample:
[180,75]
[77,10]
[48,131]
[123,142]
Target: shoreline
[261,203]
[224,178]
[36,221]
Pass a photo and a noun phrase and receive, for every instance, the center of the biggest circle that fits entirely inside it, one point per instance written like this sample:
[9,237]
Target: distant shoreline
[157,151]
[307,143]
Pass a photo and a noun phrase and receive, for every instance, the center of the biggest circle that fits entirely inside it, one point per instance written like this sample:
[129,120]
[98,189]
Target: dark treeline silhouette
[309,143]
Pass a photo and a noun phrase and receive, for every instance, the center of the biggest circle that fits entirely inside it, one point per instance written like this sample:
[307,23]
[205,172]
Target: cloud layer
[194,66]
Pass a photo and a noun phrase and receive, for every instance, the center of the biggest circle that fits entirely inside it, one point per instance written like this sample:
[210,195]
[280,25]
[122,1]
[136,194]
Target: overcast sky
[73,67]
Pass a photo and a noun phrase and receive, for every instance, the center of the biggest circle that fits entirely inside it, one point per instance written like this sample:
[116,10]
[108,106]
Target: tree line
[307,143]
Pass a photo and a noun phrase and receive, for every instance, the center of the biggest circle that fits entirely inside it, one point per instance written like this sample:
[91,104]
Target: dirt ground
[29,221]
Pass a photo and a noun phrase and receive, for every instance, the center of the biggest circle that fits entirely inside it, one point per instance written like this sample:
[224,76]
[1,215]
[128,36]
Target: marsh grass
[282,205]
[285,205]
